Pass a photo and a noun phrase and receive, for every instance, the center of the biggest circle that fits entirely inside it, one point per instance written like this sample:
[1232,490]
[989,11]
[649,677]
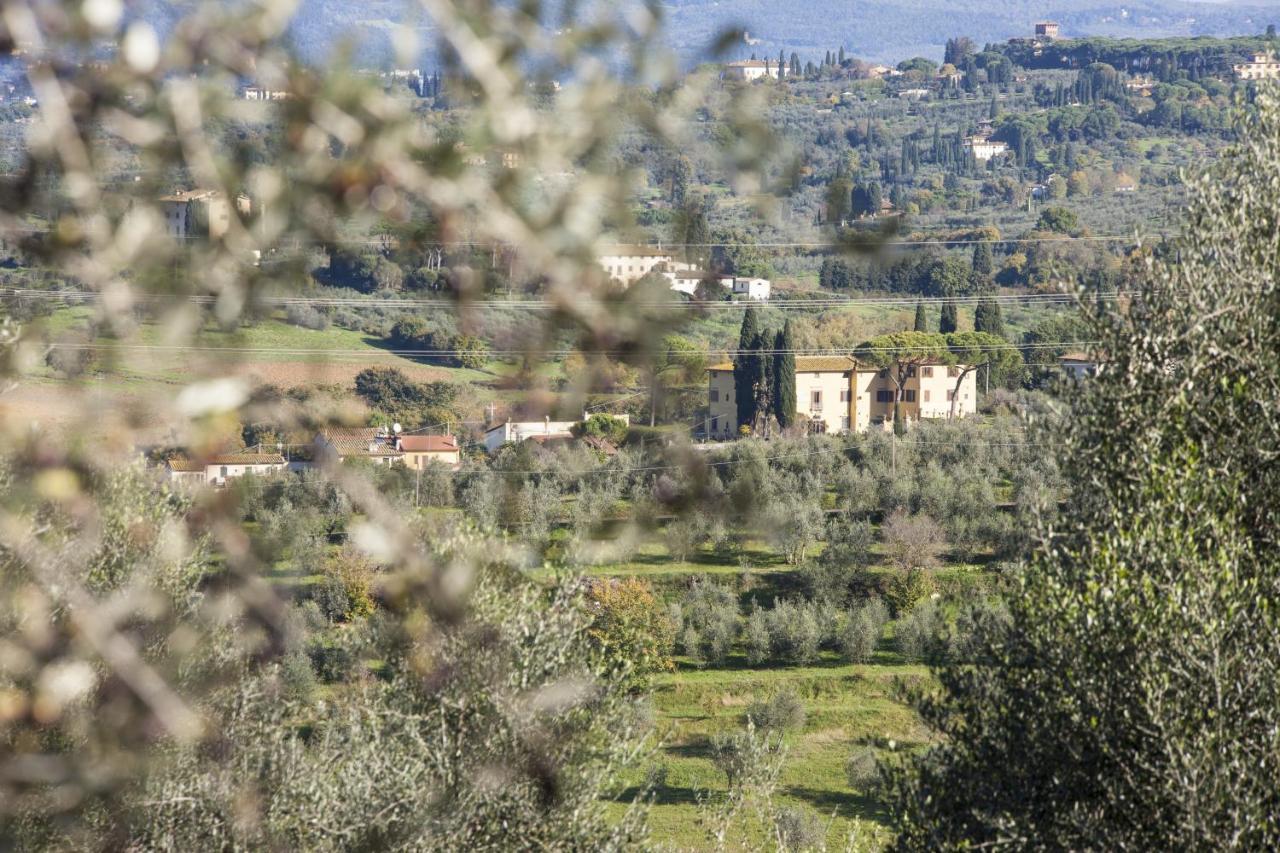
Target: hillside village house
[1261,66]
[1047,30]
[217,470]
[199,213]
[758,289]
[984,149]
[751,70]
[1078,365]
[419,451]
[629,264]
[370,443]
[543,430]
[838,394]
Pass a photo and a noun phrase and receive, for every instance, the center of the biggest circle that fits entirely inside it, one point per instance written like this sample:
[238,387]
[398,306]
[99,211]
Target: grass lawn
[847,706]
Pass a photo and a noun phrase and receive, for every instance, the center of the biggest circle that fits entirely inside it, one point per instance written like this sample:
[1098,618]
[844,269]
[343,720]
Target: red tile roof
[428,444]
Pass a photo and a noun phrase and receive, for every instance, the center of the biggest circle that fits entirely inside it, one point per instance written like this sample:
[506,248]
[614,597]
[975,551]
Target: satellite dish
[396,428]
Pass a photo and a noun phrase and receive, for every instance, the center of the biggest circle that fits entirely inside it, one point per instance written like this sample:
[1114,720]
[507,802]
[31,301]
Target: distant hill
[872,29]
[897,29]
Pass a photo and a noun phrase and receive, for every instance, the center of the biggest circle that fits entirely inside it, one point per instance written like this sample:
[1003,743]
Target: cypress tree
[948,321]
[986,318]
[983,263]
[922,322]
[784,377]
[762,377]
[743,381]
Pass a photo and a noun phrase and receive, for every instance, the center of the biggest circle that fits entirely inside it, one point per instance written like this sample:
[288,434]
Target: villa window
[884,396]
[926,372]
[926,396]
[815,399]
[910,396]
[951,395]
[715,395]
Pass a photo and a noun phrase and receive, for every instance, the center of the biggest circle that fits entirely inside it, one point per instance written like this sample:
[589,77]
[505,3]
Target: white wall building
[629,264]
[217,470]
[514,432]
[984,149]
[751,70]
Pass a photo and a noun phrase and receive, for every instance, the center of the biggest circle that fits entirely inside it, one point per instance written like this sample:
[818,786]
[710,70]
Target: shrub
[742,756]
[306,316]
[297,677]
[607,427]
[905,588]
[781,712]
[708,622]
[333,661]
[756,637]
[629,629]
[800,828]
[346,593]
[862,770]
[862,630]
[795,634]
[912,542]
[922,635]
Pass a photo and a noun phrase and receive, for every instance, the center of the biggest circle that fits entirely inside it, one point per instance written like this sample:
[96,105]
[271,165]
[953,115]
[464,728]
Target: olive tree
[1130,698]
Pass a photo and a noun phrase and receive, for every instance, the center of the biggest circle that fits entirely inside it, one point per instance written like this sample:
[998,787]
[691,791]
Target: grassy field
[848,708]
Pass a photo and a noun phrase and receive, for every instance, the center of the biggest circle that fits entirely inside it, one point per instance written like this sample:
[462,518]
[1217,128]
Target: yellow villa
[838,394]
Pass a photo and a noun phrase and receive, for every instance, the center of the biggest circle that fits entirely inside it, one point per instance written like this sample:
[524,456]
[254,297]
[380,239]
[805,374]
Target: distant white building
[984,149]
[913,94]
[543,430]
[751,70]
[687,281]
[629,264]
[1261,66]
[258,93]
[753,288]
[199,213]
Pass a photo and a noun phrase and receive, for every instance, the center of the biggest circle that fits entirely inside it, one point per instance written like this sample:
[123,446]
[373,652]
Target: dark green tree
[784,377]
[983,263]
[922,320]
[1127,700]
[986,318]
[949,320]
[744,396]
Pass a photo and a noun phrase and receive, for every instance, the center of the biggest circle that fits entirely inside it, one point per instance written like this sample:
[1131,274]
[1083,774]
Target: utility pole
[417,486]
[893,453]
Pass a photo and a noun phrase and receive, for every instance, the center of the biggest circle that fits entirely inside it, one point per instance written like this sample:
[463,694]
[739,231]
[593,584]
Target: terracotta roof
[247,459]
[1076,356]
[824,364]
[429,444]
[723,367]
[603,445]
[187,466]
[360,441]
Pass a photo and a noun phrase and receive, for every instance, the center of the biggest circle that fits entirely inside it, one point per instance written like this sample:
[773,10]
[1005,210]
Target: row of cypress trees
[764,375]
[986,318]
